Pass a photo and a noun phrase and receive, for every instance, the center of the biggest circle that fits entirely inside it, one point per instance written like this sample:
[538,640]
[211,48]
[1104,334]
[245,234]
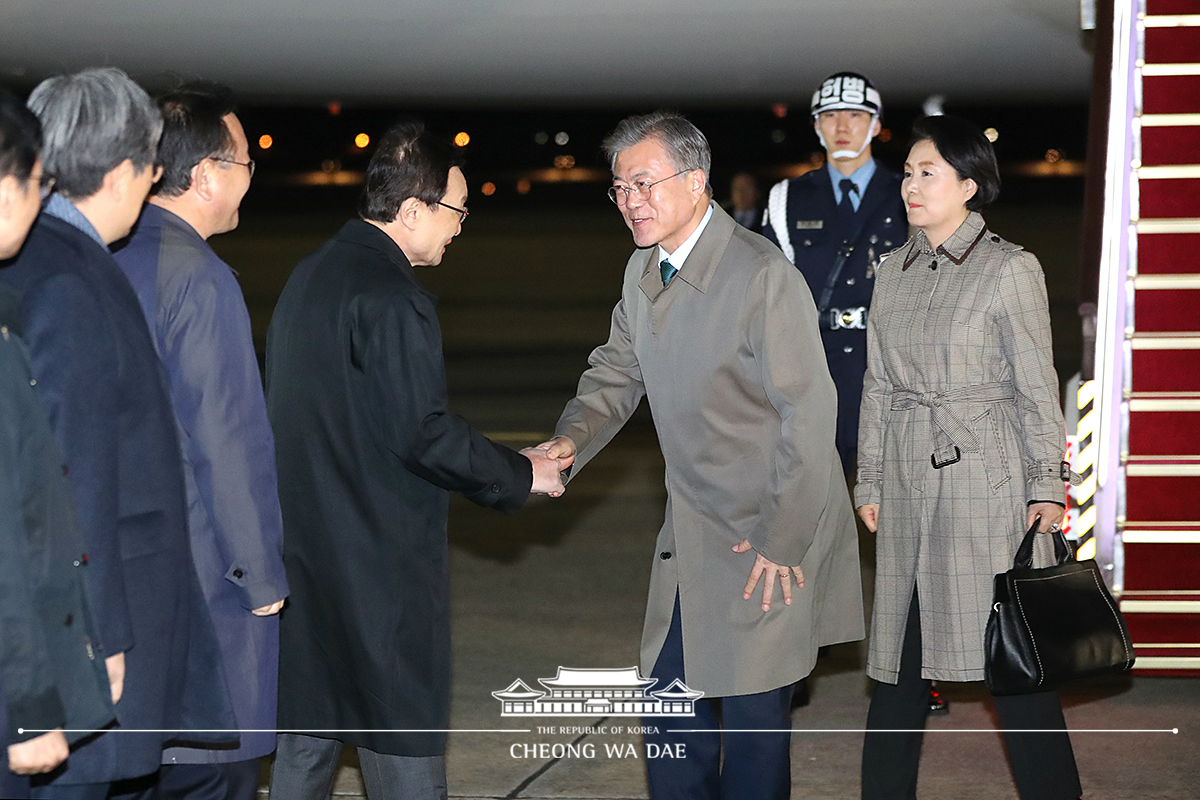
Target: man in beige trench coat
[718,330]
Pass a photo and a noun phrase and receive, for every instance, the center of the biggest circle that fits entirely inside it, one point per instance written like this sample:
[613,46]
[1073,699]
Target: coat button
[70,618]
[495,488]
[933,264]
[808,242]
[849,281]
[847,349]
[237,573]
[664,555]
[995,238]
[887,221]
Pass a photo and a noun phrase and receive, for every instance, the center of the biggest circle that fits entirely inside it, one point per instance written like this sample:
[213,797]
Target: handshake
[549,459]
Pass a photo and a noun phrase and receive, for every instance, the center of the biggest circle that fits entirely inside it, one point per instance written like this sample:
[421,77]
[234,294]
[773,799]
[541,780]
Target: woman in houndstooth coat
[960,450]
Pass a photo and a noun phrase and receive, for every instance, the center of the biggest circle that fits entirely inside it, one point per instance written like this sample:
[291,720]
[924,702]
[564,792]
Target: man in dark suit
[50,676]
[103,385]
[368,453]
[200,327]
[834,224]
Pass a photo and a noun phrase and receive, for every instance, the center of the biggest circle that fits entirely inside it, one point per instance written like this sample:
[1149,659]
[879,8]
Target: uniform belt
[950,434]
[836,319]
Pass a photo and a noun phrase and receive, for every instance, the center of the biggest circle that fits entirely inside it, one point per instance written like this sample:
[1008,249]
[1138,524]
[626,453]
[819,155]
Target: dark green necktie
[668,270]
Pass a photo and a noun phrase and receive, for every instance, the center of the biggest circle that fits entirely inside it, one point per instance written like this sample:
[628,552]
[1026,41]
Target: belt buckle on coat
[848,318]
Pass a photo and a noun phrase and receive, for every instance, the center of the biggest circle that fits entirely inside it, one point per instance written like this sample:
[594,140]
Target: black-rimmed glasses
[640,189]
[247,164]
[462,212]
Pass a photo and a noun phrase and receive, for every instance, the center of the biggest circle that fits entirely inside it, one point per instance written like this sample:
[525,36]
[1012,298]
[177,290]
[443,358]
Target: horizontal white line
[1163,404]
[1162,470]
[1174,281]
[1173,21]
[922,730]
[1167,645]
[1160,537]
[1144,342]
[1169,70]
[278,730]
[1167,662]
[1160,606]
[1169,224]
[1153,395]
[1159,172]
[1169,120]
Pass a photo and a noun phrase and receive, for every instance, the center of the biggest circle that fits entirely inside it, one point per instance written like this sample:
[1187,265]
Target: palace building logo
[592,692]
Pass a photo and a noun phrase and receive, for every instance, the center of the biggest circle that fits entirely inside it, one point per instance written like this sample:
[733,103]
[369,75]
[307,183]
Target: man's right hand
[870,515]
[116,675]
[547,471]
[39,754]
[560,447]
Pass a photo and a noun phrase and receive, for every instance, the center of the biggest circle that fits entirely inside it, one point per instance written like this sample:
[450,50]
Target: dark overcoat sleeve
[397,342]
[208,348]
[68,357]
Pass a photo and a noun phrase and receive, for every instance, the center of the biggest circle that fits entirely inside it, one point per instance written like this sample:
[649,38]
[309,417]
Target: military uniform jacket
[367,452]
[104,390]
[51,671]
[960,372]
[730,360]
[198,321]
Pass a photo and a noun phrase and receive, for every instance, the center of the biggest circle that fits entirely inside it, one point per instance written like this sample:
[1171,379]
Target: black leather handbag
[1052,625]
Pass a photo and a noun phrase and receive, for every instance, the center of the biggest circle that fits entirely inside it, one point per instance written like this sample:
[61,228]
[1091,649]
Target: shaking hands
[549,459]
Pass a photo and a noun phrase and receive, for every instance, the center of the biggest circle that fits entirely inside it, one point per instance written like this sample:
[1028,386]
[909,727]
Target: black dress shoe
[938,705]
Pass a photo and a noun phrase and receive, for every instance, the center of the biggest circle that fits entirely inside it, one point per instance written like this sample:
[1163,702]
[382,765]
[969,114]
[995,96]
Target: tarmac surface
[563,582]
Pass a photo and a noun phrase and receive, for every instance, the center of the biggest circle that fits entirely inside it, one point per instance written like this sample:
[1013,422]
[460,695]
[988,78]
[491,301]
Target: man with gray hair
[102,383]
[719,332]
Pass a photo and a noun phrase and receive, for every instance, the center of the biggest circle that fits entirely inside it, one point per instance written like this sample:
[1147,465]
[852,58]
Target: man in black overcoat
[103,386]
[367,453]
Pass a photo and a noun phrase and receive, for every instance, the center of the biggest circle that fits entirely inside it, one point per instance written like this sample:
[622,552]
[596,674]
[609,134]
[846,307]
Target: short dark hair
[92,122]
[193,129]
[20,137]
[409,162]
[965,148]
[685,143]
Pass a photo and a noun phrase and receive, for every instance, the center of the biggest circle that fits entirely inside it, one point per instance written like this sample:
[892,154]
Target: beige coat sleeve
[1023,315]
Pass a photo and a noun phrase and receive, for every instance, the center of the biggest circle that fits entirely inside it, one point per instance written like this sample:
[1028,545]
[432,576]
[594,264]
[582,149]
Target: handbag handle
[1024,557]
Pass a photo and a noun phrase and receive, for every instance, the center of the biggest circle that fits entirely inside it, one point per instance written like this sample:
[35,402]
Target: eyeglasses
[247,164]
[462,212]
[640,189]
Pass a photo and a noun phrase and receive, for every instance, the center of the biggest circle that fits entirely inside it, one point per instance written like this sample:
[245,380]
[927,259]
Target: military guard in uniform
[834,224]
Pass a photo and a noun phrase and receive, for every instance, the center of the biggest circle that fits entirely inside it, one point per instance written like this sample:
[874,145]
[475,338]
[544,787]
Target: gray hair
[685,145]
[93,121]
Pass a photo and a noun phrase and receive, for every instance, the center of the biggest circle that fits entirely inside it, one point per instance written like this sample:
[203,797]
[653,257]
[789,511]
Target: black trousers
[1043,764]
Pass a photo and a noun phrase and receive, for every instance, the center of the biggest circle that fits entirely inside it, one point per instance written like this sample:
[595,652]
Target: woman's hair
[965,148]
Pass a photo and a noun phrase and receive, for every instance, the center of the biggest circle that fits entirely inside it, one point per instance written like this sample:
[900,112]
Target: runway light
[1053,155]
[564,162]
[462,138]
[488,189]
[992,134]
[885,135]
[541,137]
[523,186]
[361,141]
[335,108]
[561,138]
[777,136]
[779,110]
[265,141]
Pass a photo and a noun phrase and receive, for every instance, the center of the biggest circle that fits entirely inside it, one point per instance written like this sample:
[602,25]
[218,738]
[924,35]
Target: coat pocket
[993,450]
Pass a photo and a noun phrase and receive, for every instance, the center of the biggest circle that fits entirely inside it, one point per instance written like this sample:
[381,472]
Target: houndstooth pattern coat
[960,374]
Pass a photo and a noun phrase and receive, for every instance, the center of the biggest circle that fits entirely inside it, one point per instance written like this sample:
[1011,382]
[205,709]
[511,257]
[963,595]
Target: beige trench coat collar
[697,271]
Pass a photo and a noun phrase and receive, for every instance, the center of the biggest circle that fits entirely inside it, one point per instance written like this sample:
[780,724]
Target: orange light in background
[564,162]
[885,135]
[335,108]
[992,134]
[361,141]
[329,165]
[523,186]
[265,141]
[488,189]
[1053,155]
[779,110]
[462,138]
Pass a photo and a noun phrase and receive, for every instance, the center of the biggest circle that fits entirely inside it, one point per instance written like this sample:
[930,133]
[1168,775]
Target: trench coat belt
[949,431]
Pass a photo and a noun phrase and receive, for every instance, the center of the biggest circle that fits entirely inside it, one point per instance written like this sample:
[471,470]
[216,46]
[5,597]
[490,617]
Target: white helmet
[847,90]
